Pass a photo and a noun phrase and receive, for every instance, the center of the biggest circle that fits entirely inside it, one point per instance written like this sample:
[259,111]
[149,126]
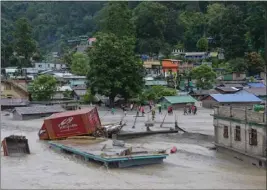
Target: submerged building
[241,132]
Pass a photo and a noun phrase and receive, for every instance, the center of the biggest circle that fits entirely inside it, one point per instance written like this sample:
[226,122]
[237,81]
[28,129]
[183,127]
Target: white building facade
[241,133]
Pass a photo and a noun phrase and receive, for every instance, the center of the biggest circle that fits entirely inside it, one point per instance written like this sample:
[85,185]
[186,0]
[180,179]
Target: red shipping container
[70,123]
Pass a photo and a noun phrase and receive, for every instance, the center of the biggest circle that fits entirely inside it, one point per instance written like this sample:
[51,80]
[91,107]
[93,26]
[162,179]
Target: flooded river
[194,166]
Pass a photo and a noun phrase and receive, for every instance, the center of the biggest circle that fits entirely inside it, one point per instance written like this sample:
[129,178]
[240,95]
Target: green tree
[254,62]
[115,18]
[114,68]
[194,27]
[80,64]
[238,65]
[231,25]
[89,97]
[204,76]
[43,88]
[24,43]
[202,44]
[150,20]
[157,92]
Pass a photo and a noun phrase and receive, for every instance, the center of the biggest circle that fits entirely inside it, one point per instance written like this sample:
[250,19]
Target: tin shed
[35,112]
[176,101]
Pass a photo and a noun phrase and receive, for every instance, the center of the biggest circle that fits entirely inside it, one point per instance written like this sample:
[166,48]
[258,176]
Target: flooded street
[193,166]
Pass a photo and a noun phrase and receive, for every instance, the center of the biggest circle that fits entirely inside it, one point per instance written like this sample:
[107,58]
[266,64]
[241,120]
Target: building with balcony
[170,66]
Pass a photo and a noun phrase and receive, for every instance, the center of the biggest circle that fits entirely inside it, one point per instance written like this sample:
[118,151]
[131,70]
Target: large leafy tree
[150,19]
[204,76]
[238,65]
[24,43]
[43,88]
[114,68]
[232,32]
[115,18]
[80,64]
[254,62]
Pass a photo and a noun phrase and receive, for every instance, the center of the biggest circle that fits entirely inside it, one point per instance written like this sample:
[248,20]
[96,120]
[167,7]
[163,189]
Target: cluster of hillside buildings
[239,129]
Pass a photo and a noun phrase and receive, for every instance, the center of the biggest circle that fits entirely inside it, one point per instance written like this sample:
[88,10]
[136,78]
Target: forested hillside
[237,27]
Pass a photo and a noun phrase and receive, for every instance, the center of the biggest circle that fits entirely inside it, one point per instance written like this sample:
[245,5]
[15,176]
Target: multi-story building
[170,66]
[241,132]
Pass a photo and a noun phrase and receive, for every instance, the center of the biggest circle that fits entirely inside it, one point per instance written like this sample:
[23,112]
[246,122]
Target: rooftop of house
[14,102]
[180,99]
[256,84]
[227,89]
[257,91]
[232,98]
[204,92]
[38,109]
[195,53]
[231,85]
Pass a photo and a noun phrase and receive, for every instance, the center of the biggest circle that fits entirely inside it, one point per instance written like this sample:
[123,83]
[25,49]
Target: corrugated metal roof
[13,102]
[242,97]
[256,84]
[257,91]
[205,92]
[180,99]
[227,89]
[38,109]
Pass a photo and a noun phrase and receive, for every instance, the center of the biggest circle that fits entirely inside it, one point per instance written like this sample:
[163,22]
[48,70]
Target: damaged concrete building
[241,133]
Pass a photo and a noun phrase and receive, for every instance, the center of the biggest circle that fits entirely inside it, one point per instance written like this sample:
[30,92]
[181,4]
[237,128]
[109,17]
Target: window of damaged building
[253,137]
[237,133]
[225,132]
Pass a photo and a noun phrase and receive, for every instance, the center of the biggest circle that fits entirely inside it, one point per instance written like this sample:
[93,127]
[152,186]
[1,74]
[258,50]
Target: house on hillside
[196,55]
[176,101]
[185,66]
[170,66]
[152,68]
[49,66]
[238,99]
[235,77]
[26,113]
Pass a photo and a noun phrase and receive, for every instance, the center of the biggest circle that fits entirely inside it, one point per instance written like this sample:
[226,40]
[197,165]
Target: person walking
[185,110]
[131,106]
[195,110]
[153,114]
[112,111]
[143,111]
[159,109]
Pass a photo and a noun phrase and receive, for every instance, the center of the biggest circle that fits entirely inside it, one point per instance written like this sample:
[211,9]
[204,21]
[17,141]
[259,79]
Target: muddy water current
[194,166]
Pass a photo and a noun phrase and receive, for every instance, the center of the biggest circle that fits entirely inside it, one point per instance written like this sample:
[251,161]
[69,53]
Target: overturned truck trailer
[70,123]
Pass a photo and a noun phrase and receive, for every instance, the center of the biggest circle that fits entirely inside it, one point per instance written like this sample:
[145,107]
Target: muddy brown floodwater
[194,166]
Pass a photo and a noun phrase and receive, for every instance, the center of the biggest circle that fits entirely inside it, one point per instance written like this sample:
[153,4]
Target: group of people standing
[192,109]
